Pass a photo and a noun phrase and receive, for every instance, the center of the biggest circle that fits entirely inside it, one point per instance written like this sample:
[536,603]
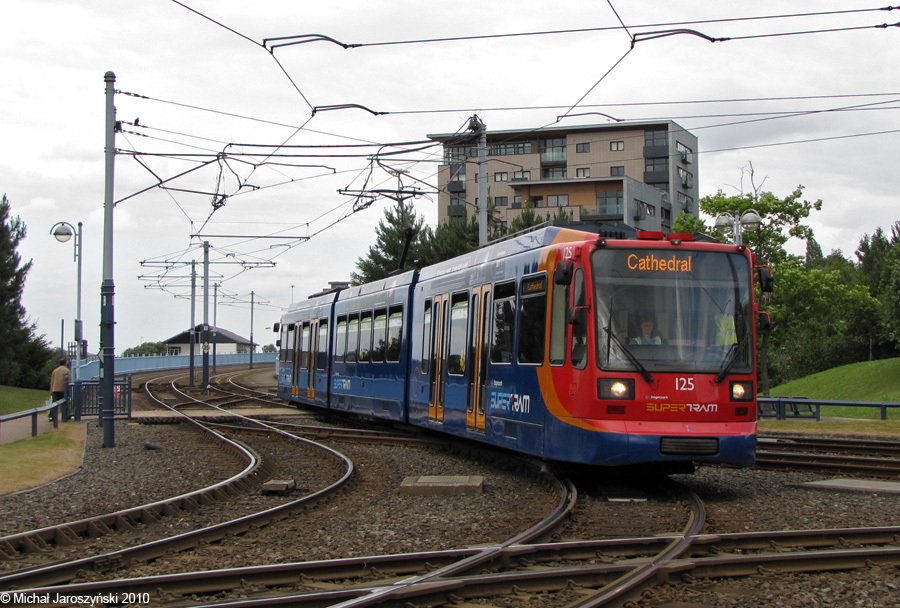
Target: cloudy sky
[249,139]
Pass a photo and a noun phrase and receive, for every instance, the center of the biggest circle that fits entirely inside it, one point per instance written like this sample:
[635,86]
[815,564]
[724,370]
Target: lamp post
[738,222]
[62,232]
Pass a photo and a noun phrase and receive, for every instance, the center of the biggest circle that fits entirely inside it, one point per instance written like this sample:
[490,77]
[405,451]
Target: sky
[262,151]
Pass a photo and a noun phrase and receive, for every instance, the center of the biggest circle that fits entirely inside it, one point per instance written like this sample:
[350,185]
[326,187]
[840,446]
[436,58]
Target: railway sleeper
[96,528]
[170,509]
[7,551]
[33,543]
[150,516]
[188,503]
[66,537]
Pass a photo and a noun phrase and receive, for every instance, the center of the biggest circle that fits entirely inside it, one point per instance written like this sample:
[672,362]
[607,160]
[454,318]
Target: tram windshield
[680,311]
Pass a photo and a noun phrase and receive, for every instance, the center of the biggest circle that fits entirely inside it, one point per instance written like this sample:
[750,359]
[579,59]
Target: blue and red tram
[560,344]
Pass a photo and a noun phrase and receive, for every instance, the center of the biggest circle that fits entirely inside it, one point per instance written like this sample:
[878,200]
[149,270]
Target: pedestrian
[59,380]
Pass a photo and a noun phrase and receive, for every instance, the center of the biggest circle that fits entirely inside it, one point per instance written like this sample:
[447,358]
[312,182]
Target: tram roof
[512,245]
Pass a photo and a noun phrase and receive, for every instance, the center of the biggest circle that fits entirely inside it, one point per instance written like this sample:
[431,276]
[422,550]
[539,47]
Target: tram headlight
[615,388]
[742,391]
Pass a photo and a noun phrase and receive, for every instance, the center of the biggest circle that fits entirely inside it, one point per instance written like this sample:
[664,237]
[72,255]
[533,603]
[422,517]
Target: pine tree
[399,224]
[25,358]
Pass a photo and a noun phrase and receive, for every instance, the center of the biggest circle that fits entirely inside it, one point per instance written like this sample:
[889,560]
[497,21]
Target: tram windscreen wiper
[730,359]
[630,355]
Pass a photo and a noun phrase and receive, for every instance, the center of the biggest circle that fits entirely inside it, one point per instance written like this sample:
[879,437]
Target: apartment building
[638,175]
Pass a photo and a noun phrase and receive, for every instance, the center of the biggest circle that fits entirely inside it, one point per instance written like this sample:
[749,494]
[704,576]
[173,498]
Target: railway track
[860,457]
[588,573]
[72,533]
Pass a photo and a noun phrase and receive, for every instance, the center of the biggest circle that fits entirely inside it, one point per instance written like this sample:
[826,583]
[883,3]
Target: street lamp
[748,219]
[62,232]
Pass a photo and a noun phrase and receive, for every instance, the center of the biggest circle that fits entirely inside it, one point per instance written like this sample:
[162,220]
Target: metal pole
[205,315]
[107,288]
[193,339]
[215,327]
[482,184]
[251,329]
[78,333]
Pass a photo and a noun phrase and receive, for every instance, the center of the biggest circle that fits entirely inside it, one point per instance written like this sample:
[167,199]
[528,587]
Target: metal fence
[782,408]
[86,398]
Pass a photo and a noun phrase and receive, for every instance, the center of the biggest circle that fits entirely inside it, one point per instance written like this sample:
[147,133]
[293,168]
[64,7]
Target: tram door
[480,321]
[298,357]
[317,360]
[311,359]
[440,312]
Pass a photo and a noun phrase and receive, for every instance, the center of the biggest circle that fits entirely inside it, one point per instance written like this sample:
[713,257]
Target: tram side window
[559,301]
[340,339]
[365,337]
[288,343]
[395,333]
[532,319]
[322,345]
[504,323]
[352,338]
[379,329]
[579,327]
[304,345]
[426,338]
[459,321]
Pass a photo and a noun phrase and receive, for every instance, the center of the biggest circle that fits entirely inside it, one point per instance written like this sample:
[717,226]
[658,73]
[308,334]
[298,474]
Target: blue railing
[782,408]
[131,365]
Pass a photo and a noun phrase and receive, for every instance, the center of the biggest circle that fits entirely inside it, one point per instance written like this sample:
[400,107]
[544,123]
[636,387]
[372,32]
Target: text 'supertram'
[558,343]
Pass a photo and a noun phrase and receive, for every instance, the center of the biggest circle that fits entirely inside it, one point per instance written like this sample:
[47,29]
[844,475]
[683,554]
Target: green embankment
[875,381]
[19,399]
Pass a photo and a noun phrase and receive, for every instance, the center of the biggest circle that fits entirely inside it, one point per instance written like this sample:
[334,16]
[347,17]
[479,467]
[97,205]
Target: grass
[877,381]
[18,399]
[33,462]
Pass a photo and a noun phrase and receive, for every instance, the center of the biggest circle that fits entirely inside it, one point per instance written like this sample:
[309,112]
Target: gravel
[372,517]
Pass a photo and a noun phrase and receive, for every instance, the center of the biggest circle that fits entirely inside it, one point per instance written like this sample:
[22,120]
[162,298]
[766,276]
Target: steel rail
[829,463]
[70,533]
[634,551]
[853,446]
[66,571]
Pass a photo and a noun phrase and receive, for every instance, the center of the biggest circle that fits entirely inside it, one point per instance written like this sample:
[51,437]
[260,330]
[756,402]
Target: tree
[146,349]
[25,357]
[781,220]
[527,219]
[686,222]
[821,321]
[399,227]
[453,238]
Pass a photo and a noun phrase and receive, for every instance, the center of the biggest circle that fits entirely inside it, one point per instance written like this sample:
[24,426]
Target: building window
[455,154]
[501,176]
[537,201]
[510,149]
[617,171]
[685,177]
[616,146]
[585,147]
[501,201]
[687,155]
[558,200]
[517,201]
[656,164]
[686,202]
[610,202]
[583,172]
[522,175]
[173,350]
[656,138]
[553,150]
[554,173]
